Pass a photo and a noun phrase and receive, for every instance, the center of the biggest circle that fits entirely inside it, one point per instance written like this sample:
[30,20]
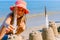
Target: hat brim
[26,10]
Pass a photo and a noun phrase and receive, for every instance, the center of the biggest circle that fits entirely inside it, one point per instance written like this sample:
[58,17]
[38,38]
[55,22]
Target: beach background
[35,18]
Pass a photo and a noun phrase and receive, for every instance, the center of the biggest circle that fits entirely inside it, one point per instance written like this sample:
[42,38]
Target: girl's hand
[10,28]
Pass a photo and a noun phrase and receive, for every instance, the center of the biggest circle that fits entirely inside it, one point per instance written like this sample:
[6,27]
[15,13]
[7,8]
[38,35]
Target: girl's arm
[3,30]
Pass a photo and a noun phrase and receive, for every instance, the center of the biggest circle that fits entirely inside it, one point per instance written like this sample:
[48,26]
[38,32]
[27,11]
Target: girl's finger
[7,30]
[12,27]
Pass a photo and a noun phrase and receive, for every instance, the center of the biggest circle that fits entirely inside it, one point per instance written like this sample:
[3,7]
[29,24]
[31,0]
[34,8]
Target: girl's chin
[18,16]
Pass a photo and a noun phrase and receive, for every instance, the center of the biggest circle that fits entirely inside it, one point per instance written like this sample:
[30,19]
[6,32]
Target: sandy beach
[37,28]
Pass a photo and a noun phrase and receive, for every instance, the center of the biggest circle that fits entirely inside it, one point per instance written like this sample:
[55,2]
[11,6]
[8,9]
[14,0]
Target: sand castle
[54,27]
[50,33]
[47,34]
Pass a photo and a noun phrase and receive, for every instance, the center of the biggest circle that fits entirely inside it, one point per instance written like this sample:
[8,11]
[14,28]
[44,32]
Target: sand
[29,30]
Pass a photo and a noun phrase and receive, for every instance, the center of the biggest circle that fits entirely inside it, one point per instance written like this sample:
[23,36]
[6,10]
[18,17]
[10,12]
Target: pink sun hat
[20,4]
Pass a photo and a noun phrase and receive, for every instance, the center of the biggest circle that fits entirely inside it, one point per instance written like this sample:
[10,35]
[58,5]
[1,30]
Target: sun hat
[20,4]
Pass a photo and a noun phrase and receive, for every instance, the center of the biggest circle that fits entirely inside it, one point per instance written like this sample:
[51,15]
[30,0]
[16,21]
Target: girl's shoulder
[10,15]
[7,17]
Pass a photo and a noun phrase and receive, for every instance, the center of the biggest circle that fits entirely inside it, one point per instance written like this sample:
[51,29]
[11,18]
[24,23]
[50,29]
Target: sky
[34,7]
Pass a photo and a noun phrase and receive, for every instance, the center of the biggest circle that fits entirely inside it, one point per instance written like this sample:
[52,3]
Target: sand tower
[48,34]
[54,27]
[35,35]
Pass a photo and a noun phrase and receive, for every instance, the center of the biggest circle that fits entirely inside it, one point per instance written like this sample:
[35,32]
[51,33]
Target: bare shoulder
[9,16]
[7,19]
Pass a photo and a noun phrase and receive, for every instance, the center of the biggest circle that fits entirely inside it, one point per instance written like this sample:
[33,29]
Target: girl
[7,26]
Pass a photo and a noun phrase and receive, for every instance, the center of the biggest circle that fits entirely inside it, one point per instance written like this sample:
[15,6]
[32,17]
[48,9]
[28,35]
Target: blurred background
[36,11]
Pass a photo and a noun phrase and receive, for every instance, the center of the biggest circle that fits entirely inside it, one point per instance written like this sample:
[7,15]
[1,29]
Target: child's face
[20,11]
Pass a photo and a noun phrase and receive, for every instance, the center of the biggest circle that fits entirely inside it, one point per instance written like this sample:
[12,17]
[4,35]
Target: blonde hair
[19,20]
